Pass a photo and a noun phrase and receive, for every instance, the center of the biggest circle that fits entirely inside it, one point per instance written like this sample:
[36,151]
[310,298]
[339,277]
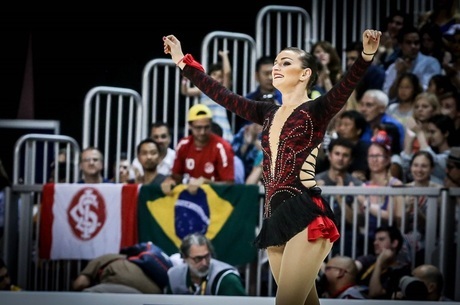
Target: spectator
[421,167]
[91,165]
[402,106]
[425,106]
[239,165]
[222,72]
[450,105]
[124,173]
[437,141]
[265,90]
[389,47]
[453,168]
[141,268]
[64,171]
[382,270]
[341,273]
[373,105]
[444,13]
[246,145]
[5,280]
[340,156]
[433,43]
[201,274]
[433,279]
[410,60]
[396,162]
[452,68]
[148,154]
[440,84]
[263,76]
[160,133]
[255,176]
[351,126]
[329,73]
[203,155]
[331,64]
[379,159]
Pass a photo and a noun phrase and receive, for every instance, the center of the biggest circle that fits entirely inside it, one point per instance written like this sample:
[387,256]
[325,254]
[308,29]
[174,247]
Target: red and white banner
[83,221]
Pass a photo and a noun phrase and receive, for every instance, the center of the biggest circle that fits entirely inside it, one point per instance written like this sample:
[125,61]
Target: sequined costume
[289,205]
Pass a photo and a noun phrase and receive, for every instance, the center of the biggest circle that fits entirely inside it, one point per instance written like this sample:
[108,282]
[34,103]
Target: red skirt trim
[322,227]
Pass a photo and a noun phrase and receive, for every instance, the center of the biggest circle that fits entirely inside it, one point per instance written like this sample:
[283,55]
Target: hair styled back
[308,60]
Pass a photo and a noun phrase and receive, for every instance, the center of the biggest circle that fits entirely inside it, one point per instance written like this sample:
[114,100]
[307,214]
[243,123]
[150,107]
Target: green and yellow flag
[227,214]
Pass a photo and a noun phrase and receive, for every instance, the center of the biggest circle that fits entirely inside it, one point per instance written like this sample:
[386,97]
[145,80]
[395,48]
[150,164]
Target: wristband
[190,61]
[369,54]
[182,59]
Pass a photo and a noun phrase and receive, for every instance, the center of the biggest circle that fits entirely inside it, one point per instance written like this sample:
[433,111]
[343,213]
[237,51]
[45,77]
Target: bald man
[433,279]
[341,273]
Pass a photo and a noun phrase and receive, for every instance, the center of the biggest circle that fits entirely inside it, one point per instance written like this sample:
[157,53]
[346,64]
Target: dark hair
[407,29]
[215,67]
[433,31]
[354,46]
[357,117]
[335,65]
[147,140]
[394,233]
[160,124]
[455,94]
[215,128]
[307,60]
[422,153]
[444,123]
[340,142]
[194,239]
[407,18]
[264,60]
[415,82]
[443,84]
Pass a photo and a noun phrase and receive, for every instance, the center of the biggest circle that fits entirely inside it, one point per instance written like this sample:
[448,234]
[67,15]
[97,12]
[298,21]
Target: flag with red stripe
[83,221]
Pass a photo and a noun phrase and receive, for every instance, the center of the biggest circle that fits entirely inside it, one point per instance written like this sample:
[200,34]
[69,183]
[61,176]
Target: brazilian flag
[226,214]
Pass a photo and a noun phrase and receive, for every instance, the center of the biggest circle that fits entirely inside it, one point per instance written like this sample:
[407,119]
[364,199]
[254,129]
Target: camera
[412,288]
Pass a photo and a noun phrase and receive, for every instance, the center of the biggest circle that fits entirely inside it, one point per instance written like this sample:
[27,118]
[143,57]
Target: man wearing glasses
[202,157]
[339,278]
[91,165]
[201,274]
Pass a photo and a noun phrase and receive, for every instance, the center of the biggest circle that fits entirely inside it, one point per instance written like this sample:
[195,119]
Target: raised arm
[226,69]
[254,111]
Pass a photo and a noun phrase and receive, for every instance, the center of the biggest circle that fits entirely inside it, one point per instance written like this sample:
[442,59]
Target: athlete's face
[288,72]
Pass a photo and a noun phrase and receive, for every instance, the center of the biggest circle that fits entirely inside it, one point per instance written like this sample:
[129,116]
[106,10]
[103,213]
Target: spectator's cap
[454,155]
[198,112]
[382,138]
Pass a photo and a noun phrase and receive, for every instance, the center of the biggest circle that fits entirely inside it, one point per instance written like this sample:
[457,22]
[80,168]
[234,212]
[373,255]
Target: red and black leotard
[289,206]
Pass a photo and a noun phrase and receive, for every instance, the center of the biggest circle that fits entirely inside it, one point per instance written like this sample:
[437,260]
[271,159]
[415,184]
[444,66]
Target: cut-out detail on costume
[289,205]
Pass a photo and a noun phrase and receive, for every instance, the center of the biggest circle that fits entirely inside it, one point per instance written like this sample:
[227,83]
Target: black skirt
[290,217]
